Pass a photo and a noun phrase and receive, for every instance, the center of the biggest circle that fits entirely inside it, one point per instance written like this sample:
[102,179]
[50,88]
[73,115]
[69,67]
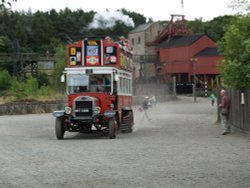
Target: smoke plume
[108,19]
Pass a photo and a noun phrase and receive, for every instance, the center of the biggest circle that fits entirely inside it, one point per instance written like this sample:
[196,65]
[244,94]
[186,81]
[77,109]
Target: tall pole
[174,86]
[194,60]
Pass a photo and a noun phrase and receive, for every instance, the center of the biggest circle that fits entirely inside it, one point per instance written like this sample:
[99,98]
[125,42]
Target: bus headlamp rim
[97,109]
[67,110]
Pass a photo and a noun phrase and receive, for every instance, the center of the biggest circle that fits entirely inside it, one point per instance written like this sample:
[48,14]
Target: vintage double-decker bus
[99,87]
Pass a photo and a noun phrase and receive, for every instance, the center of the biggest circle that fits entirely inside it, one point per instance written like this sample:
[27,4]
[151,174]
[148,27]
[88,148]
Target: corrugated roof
[141,28]
[210,51]
[179,41]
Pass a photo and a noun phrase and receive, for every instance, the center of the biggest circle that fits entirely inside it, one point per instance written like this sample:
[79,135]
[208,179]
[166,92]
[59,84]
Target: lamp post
[194,61]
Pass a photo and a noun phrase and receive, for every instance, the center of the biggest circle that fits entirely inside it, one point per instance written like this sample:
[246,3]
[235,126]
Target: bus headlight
[67,110]
[97,110]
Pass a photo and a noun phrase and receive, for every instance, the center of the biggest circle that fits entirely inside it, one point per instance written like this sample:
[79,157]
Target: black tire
[59,128]
[112,128]
[130,116]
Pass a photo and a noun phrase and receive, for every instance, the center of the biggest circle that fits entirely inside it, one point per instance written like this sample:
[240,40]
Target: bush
[31,86]
[24,90]
[45,91]
[43,80]
[5,81]
[28,90]
[17,89]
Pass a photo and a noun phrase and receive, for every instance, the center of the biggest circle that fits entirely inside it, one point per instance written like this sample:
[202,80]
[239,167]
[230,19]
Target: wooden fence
[240,109]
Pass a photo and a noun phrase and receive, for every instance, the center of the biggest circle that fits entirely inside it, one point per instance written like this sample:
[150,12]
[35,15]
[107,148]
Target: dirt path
[180,148]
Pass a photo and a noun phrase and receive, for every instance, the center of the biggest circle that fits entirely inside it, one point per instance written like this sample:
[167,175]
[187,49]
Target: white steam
[108,19]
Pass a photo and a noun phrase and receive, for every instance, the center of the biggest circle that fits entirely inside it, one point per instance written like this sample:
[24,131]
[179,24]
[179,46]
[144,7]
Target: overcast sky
[156,9]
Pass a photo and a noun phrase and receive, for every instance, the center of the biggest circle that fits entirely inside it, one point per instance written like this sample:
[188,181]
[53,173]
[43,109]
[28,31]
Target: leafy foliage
[61,60]
[196,26]
[22,90]
[39,31]
[236,75]
[5,81]
[216,28]
[235,47]
[5,44]
[43,80]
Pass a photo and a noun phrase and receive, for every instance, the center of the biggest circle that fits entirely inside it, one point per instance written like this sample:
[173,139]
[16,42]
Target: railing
[34,57]
[4,57]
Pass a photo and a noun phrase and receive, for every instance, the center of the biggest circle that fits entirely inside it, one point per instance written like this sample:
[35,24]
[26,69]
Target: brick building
[144,54]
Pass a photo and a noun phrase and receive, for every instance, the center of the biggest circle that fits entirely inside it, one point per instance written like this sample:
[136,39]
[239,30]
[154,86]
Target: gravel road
[180,148]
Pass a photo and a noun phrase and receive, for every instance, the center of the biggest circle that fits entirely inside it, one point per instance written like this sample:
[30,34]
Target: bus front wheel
[59,129]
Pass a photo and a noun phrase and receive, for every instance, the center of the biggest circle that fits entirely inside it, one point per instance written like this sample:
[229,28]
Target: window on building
[133,41]
[139,40]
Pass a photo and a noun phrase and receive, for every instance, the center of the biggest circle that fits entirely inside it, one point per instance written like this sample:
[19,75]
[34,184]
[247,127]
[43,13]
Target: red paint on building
[182,56]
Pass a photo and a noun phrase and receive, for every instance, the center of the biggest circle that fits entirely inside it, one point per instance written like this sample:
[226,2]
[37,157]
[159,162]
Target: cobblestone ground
[180,148]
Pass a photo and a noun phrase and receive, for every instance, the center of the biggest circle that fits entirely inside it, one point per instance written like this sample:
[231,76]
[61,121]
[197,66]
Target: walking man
[224,112]
[145,106]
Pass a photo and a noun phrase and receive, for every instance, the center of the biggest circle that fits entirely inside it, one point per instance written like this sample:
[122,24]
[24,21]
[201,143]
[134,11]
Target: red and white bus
[99,76]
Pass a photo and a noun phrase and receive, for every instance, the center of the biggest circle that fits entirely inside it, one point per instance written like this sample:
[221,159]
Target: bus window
[77,83]
[100,83]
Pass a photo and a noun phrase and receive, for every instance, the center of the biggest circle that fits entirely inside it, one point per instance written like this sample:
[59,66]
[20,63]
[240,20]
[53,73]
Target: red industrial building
[184,55]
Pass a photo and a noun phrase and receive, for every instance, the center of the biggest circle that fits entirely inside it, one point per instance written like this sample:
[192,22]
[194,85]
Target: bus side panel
[124,101]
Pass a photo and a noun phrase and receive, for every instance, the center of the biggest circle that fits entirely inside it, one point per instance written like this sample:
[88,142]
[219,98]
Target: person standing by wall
[224,112]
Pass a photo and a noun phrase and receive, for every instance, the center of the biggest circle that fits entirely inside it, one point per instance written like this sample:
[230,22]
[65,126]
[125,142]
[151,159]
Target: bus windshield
[78,83]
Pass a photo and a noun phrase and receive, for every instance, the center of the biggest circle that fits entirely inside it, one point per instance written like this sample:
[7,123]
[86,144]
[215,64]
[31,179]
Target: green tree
[196,26]
[235,47]
[19,28]
[60,63]
[42,80]
[5,44]
[216,28]
[5,81]
[42,31]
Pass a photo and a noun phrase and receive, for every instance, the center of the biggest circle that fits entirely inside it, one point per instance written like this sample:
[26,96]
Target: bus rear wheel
[112,128]
[130,122]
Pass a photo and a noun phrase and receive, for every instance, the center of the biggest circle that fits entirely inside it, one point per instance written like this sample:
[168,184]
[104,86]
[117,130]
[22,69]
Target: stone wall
[31,107]
[49,107]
